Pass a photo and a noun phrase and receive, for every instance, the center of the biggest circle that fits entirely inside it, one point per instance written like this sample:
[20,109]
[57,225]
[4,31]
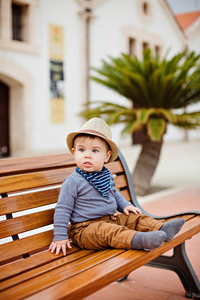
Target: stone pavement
[178,180]
[179,163]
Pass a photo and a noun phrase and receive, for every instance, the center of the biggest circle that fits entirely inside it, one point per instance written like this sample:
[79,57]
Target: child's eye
[81,150]
[95,150]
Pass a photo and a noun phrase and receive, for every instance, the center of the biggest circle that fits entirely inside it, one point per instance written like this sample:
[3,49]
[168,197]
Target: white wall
[49,136]
[193,42]
[106,38]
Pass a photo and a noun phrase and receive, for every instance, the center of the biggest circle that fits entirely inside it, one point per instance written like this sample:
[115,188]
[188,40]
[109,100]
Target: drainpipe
[87,51]
[185,135]
[86,16]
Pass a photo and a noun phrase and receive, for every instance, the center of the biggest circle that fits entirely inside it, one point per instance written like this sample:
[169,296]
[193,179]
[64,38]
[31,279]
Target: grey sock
[172,227]
[148,240]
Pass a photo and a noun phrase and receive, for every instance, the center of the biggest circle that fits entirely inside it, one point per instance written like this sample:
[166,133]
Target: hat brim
[114,149]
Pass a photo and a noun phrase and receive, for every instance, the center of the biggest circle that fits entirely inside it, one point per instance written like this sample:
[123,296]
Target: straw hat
[97,127]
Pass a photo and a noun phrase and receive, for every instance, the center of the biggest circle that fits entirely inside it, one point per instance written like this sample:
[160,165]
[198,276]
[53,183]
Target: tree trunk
[146,165]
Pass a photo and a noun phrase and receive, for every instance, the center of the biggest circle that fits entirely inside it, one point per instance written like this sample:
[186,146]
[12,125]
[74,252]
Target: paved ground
[179,163]
[179,173]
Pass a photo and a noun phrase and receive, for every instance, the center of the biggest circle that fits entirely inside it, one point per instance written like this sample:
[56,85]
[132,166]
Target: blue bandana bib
[99,180]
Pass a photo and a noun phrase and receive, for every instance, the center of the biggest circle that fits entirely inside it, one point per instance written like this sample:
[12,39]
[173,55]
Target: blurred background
[47,49]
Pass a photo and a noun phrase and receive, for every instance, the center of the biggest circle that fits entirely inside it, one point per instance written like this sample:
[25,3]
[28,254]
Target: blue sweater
[79,201]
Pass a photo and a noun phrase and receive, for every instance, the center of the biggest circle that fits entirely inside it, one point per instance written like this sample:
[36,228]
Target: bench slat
[191,227]
[25,223]
[37,179]
[120,181]
[115,167]
[52,276]
[59,274]
[33,180]
[125,193]
[26,201]
[25,245]
[13,166]
[99,276]
[64,262]
[36,260]
[95,278]
[21,165]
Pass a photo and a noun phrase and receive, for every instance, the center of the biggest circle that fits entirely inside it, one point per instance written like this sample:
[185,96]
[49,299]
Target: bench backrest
[29,189]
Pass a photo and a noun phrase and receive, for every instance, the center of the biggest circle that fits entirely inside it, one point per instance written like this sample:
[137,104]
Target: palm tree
[159,87]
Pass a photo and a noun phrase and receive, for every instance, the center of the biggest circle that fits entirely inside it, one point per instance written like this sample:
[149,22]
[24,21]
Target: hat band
[93,132]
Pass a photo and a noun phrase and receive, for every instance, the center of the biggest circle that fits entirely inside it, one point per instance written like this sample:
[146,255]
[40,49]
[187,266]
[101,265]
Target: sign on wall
[56,46]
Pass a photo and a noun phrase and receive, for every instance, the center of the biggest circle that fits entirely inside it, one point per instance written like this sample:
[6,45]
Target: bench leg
[122,278]
[180,264]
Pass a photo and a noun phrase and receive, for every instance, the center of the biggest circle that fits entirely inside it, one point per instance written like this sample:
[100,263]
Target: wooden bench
[29,189]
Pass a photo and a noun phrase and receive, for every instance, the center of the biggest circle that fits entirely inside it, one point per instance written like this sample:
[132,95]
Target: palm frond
[112,113]
[195,116]
[189,120]
[156,85]
[156,128]
[153,82]
[121,116]
[131,126]
[144,114]
[168,115]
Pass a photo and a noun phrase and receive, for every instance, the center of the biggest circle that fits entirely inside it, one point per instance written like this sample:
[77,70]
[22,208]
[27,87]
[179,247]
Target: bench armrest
[134,200]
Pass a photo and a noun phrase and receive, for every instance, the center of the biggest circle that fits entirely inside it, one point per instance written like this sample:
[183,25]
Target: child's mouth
[87,164]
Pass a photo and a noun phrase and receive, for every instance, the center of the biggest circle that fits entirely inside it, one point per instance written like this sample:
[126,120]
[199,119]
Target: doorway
[4,120]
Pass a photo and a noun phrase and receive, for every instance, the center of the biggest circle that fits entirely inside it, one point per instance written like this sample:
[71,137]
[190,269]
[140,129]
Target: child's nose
[87,154]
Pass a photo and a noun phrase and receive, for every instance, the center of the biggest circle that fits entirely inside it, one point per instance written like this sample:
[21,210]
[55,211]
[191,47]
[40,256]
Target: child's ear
[108,156]
[72,150]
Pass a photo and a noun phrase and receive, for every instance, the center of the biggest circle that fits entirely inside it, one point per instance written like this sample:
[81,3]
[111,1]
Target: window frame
[28,26]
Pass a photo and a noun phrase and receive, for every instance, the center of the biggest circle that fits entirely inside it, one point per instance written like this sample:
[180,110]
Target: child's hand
[116,213]
[131,208]
[60,246]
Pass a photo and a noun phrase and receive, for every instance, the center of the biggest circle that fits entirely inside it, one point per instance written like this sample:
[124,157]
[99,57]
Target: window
[145,10]
[157,50]
[145,45]
[136,45]
[132,51]
[16,22]
[19,22]
[17,30]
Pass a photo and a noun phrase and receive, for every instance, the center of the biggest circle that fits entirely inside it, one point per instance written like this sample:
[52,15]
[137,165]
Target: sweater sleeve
[120,200]
[64,209]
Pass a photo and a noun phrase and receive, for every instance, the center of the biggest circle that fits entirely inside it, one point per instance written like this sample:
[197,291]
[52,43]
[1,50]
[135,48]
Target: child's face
[90,153]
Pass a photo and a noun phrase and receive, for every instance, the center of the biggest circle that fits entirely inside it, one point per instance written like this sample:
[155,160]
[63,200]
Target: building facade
[46,50]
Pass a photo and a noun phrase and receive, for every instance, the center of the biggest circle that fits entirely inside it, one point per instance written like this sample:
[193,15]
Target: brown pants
[111,231]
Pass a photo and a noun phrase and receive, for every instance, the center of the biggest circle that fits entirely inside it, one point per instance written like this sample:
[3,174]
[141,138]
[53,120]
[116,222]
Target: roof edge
[173,19]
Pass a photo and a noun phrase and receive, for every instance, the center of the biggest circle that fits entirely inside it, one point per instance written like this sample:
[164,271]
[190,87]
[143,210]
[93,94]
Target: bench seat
[29,190]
